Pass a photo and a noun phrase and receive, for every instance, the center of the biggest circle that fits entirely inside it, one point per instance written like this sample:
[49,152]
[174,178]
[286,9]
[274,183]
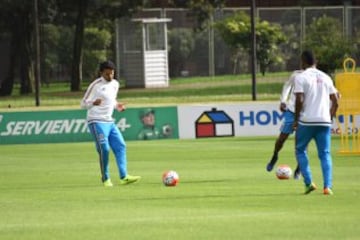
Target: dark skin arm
[298,107]
[282,107]
[334,105]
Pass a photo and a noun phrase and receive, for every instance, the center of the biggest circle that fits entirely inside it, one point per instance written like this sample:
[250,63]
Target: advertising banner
[148,123]
[243,119]
[184,122]
[71,125]
[43,127]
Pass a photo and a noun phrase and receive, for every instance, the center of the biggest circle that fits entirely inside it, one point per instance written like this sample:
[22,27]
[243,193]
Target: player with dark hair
[287,101]
[315,93]
[100,102]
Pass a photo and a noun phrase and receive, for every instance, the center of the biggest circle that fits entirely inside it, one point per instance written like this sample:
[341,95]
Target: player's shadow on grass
[205,181]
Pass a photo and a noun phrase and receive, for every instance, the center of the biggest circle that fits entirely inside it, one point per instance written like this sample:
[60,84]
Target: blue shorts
[287,125]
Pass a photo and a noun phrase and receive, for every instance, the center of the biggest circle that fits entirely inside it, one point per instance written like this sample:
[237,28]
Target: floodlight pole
[211,46]
[37,52]
[253,50]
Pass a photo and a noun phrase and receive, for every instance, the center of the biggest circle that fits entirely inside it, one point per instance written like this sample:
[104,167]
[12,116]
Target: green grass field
[53,191]
[227,88]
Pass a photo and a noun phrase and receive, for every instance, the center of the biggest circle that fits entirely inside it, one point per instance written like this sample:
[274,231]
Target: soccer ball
[170,178]
[283,172]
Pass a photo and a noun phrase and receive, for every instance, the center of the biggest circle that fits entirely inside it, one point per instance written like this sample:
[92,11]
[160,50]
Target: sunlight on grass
[229,88]
[224,193]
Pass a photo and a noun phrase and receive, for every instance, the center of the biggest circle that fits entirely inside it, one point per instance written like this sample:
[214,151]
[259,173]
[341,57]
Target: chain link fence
[206,53]
[203,53]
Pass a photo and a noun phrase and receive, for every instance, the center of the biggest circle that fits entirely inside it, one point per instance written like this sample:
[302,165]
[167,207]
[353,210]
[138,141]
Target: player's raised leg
[285,130]
[278,146]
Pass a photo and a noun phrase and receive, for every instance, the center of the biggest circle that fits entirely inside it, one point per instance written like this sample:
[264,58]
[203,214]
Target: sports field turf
[53,191]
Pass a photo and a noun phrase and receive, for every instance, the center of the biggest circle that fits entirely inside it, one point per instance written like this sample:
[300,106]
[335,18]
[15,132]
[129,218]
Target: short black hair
[106,65]
[308,57]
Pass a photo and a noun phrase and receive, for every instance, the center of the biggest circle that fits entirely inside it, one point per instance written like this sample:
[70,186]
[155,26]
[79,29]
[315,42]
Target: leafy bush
[181,44]
[325,38]
[236,32]
[96,42]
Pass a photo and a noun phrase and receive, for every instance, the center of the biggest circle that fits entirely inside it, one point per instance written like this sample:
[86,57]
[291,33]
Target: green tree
[201,10]
[50,50]
[290,50]
[56,51]
[17,25]
[90,11]
[75,15]
[96,43]
[268,38]
[325,38]
[236,32]
[16,20]
[181,44]
[66,40]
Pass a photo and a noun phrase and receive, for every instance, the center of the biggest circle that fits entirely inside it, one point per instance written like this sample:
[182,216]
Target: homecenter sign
[262,117]
[249,118]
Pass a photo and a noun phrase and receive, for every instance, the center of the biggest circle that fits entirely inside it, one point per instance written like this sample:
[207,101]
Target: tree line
[97,16]
[79,34]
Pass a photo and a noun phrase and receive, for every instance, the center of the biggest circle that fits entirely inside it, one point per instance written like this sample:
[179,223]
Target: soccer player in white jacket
[315,93]
[100,102]
[287,106]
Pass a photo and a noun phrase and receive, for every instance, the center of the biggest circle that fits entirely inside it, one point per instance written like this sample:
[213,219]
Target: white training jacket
[317,87]
[287,94]
[106,91]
